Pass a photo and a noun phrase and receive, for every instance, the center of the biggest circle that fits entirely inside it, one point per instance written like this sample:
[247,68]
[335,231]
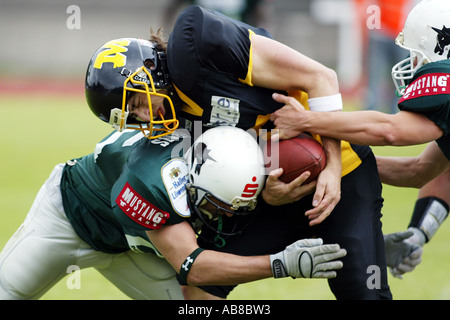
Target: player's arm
[413,171]
[178,244]
[358,127]
[278,66]
[404,249]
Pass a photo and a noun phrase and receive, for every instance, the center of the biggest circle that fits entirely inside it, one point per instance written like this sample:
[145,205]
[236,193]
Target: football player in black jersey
[423,82]
[224,72]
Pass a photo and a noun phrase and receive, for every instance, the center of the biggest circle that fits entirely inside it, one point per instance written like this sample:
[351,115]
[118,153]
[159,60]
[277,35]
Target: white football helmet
[226,174]
[426,34]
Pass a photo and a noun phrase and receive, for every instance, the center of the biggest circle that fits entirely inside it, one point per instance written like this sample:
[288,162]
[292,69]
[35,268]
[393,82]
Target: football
[296,156]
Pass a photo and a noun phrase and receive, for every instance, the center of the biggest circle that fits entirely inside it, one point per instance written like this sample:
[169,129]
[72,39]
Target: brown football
[296,156]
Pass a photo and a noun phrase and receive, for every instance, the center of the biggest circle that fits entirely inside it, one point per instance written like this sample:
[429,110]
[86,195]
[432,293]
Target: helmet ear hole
[149,64]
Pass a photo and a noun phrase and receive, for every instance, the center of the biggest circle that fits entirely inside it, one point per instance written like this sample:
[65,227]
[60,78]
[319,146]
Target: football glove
[308,258]
[404,251]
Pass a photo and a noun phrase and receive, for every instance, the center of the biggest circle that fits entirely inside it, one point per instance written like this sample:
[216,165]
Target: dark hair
[158,38]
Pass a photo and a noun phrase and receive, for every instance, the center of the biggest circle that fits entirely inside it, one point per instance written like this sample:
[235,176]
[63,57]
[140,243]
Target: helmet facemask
[209,210]
[127,66]
[404,71]
[118,118]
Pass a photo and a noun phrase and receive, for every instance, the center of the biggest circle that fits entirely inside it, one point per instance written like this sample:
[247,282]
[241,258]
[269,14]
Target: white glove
[408,262]
[307,258]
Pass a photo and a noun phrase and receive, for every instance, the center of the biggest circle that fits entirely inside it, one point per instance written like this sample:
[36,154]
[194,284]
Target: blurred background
[45,46]
[54,39]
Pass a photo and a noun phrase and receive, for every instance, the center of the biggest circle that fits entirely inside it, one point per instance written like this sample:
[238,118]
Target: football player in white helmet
[423,81]
[212,191]
[123,210]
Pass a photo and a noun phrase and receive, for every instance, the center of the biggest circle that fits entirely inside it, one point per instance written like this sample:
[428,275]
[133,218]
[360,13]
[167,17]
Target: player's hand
[408,264]
[308,258]
[288,119]
[326,196]
[404,251]
[276,192]
[396,248]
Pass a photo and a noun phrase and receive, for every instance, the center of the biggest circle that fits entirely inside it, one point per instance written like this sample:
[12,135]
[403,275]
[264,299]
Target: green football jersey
[429,94]
[127,186]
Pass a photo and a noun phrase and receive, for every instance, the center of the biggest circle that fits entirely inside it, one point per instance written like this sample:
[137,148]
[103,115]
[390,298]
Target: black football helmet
[121,67]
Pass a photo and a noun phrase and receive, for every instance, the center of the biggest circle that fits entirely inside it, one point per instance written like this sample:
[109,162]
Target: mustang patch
[139,209]
[428,85]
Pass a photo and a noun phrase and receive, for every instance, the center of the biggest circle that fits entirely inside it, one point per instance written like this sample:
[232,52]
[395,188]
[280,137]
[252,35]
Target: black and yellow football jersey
[429,94]
[209,58]
[210,63]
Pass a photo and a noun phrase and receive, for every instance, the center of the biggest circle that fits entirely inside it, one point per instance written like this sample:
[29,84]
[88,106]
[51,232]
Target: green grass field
[39,131]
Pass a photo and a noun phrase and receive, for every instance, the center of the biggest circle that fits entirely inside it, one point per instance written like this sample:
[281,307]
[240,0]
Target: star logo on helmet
[443,40]
[201,154]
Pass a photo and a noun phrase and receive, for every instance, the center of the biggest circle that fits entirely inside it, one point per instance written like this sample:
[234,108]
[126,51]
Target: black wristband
[187,264]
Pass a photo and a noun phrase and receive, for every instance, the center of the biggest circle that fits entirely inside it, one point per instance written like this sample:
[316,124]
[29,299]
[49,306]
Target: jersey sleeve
[150,194]
[215,40]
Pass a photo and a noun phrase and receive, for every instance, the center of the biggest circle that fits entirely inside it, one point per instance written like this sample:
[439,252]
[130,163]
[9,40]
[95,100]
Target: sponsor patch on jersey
[224,111]
[139,209]
[175,176]
[428,85]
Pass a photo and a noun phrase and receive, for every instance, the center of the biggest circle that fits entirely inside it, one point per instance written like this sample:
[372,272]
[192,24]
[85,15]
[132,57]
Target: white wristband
[326,104]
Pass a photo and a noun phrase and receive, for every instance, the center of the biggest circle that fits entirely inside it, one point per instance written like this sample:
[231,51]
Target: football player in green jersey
[423,81]
[124,210]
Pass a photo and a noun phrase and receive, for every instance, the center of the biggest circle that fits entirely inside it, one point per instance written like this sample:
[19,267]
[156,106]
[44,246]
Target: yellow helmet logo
[112,54]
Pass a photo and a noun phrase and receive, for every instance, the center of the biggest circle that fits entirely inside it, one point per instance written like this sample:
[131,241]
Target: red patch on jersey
[428,85]
[139,209]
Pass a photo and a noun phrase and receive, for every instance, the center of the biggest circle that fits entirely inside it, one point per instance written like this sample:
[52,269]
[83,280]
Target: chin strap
[219,242]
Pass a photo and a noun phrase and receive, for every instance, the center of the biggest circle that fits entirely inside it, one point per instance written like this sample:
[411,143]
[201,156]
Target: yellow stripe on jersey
[190,106]
[248,77]
[260,121]
[350,159]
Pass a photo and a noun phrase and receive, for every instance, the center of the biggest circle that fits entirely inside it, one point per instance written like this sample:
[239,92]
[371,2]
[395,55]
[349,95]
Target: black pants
[354,224]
